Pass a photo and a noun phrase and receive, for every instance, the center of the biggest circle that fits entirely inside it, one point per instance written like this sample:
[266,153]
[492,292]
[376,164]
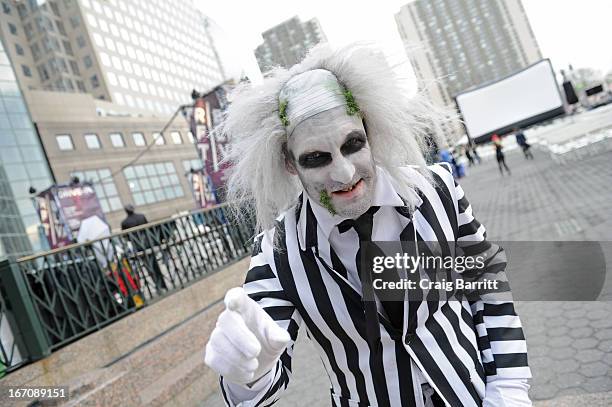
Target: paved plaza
[570,343]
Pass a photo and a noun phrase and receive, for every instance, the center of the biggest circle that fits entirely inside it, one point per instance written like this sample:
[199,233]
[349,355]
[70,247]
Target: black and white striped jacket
[458,346]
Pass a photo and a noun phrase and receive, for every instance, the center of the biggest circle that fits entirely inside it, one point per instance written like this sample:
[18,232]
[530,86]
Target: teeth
[347,189]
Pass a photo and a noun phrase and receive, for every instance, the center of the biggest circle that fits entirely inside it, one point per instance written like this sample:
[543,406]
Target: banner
[202,189]
[208,112]
[57,233]
[62,208]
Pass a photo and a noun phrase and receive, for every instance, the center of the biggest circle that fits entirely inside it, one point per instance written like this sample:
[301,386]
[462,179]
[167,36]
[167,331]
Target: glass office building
[22,165]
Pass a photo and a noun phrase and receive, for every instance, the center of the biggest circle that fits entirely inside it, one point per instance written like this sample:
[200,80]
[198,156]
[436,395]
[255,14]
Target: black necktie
[394,309]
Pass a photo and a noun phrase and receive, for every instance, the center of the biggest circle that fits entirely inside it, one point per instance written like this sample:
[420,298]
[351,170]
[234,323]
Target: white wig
[398,129]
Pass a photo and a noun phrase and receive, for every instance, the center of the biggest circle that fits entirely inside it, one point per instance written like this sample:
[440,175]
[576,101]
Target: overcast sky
[576,32]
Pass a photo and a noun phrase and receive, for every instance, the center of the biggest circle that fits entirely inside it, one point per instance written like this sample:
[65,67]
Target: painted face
[331,155]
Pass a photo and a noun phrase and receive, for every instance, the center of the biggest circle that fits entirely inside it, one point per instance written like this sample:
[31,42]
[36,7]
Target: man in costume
[329,155]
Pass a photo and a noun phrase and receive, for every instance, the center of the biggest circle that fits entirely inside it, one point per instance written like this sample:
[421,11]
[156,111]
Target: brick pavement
[570,344]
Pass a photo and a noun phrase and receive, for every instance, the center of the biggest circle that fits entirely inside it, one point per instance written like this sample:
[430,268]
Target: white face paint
[330,153]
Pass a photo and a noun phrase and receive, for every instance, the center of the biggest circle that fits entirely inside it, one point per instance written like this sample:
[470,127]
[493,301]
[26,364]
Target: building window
[80,41]
[59,85]
[26,71]
[35,51]
[75,67]
[194,164]
[139,139]
[92,141]
[159,139]
[55,44]
[68,84]
[22,10]
[29,32]
[87,61]
[94,81]
[19,49]
[42,72]
[68,47]
[64,142]
[117,140]
[55,9]
[155,182]
[47,24]
[62,65]
[46,42]
[60,27]
[81,86]
[190,137]
[6,8]
[104,185]
[74,21]
[12,28]
[176,137]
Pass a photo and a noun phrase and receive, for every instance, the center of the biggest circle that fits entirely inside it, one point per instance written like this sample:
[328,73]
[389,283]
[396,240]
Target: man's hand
[246,343]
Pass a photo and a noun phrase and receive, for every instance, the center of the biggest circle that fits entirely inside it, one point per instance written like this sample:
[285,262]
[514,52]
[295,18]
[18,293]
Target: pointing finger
[236,331]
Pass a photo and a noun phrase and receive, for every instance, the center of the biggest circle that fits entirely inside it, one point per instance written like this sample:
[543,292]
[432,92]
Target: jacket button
[409,338]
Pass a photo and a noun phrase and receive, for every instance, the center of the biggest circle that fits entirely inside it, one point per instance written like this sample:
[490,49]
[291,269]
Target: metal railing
[53,298]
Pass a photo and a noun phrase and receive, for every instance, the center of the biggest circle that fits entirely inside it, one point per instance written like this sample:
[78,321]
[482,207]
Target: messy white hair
[398,129]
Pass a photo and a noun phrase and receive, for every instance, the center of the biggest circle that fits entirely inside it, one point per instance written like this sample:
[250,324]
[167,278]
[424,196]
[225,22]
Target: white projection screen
[527,97]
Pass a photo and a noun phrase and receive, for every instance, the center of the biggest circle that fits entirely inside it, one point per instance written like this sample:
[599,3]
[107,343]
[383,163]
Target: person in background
[472,154]
[446,155]
[499,154]
[468,155]
[139,242]
[460,161]
[521,140]
[474,151]
[133,219]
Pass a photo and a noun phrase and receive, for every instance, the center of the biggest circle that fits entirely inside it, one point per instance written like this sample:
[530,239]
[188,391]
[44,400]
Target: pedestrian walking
[499,155]
[474,150]
[469,156]
[140,242]
[521,140]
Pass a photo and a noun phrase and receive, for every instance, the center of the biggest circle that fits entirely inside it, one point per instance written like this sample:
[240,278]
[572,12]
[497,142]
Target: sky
[567,31]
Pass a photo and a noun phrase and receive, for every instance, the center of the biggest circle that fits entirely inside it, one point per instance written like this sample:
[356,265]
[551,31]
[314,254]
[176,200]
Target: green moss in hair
[351,105]
[282,113]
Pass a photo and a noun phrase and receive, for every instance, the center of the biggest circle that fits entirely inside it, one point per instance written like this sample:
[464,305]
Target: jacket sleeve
[501,340]
[263,286]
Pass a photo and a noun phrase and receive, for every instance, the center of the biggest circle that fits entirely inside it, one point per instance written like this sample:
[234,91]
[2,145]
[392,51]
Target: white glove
[507,393]
[246,343]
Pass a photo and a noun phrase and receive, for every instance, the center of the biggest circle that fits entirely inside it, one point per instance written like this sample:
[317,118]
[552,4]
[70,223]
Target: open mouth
[350,190]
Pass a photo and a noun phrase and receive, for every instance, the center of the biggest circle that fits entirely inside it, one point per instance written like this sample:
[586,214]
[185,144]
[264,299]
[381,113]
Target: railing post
[21,313]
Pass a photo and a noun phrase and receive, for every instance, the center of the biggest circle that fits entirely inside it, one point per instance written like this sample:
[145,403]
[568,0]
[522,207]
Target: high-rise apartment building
[287,43]
[22,164]
[455,45]
[142,54]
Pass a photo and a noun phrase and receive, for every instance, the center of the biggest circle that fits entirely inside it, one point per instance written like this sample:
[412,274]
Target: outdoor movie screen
[524,98]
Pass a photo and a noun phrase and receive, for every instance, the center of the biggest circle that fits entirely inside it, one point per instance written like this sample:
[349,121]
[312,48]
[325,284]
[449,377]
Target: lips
[350,191]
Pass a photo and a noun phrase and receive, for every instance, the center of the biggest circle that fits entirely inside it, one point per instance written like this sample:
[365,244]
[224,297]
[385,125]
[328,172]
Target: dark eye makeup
[315,159]
[355,141]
